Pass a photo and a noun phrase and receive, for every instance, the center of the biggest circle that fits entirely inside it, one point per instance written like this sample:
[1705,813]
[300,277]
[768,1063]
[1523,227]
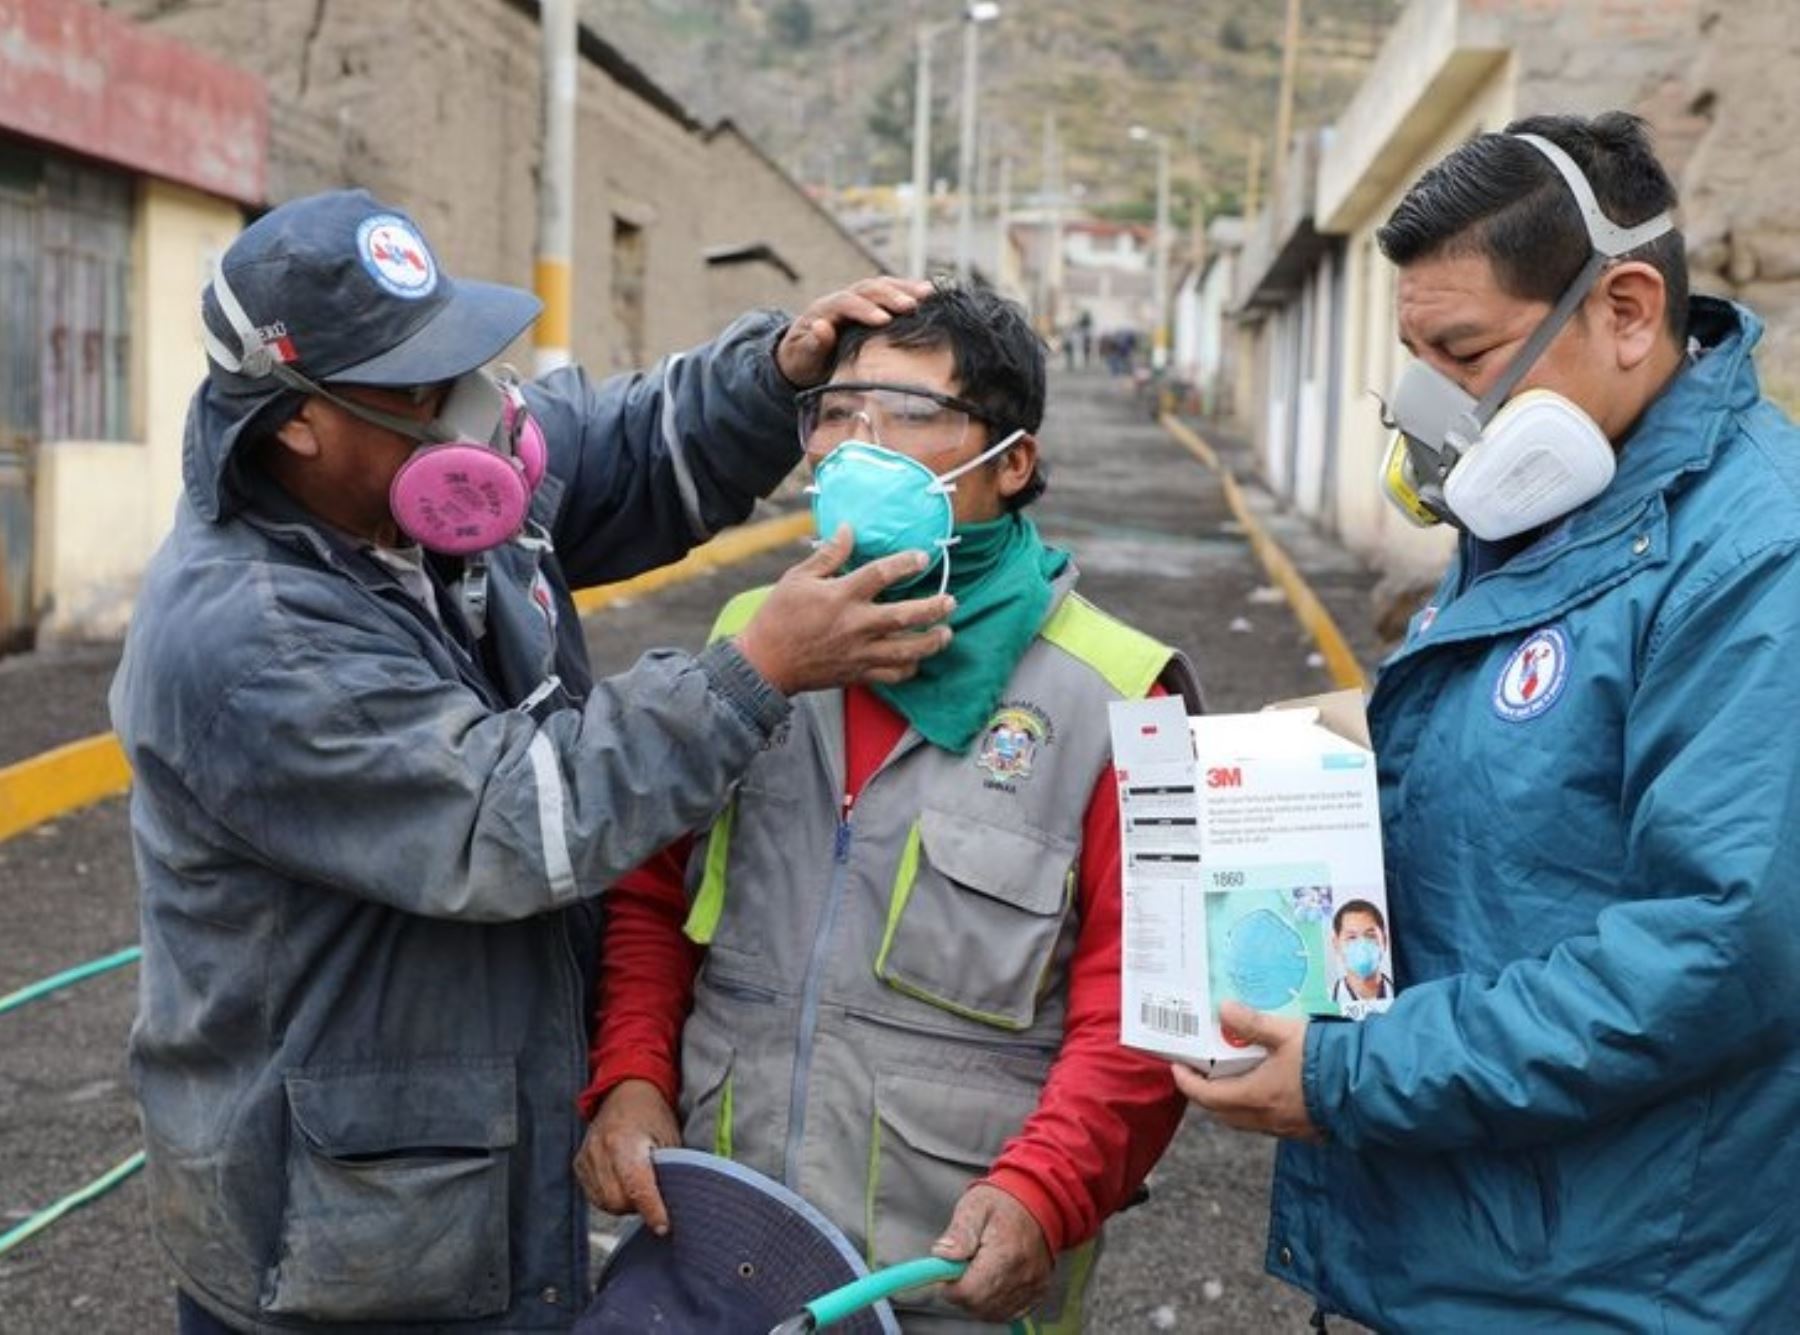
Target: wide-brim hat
[743,1253]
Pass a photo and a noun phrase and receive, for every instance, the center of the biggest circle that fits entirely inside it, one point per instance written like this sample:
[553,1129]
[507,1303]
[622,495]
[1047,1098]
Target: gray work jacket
[367,838]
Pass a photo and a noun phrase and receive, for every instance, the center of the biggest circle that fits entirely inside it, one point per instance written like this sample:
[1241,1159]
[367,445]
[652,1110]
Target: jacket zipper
[809,998]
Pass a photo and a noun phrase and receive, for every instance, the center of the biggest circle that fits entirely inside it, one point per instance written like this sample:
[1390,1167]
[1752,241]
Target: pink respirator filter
[463,496]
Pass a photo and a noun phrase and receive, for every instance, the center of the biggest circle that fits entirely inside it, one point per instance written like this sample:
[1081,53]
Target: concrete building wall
[749,201]
[1741,185]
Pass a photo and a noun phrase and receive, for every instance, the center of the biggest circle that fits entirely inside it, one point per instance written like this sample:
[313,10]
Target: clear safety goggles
[908,418]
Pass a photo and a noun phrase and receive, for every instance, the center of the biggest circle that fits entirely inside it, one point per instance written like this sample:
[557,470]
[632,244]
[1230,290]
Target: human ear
[1016,466]
[297,434]
[1635,301]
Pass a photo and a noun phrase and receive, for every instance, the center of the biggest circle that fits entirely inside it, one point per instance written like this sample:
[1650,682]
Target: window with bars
[65,300]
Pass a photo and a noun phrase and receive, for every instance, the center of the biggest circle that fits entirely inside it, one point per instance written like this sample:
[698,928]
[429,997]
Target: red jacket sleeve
[1107,1112]
[647,968]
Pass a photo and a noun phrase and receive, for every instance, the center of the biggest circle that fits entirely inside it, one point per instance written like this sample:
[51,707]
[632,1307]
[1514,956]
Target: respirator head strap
[1548,328]
[1607,242]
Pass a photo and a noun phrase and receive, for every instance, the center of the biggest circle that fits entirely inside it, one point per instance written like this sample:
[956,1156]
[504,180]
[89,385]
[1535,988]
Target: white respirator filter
[1540,458]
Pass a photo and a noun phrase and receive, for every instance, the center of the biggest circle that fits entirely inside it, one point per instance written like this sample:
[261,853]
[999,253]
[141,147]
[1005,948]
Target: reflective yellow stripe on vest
[1128,659]
[709,902]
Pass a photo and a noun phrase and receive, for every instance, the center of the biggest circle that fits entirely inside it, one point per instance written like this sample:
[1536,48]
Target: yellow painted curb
[77,775]
[740,544]
[45,786]
[1340,661]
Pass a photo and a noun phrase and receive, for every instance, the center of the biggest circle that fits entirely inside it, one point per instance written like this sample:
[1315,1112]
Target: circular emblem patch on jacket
[1533,678]
[395,255]
[1010,742]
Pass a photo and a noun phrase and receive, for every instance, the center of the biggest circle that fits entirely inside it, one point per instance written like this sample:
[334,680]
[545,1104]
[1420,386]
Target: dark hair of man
[998,359]
[1356,906]
[1499,197]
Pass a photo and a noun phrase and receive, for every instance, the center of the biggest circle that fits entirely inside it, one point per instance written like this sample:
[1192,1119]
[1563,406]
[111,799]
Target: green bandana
[1000,573]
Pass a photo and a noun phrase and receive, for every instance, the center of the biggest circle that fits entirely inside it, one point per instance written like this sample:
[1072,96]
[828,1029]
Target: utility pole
[1041,296]
[965,153]
[1159,328]
[1197,202]
[556,185]
[1284,110]
[1003,220]
[1252,179]
[921,149]
[1159,339]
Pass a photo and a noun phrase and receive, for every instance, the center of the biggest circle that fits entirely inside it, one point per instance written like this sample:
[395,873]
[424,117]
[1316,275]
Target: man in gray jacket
[376,786]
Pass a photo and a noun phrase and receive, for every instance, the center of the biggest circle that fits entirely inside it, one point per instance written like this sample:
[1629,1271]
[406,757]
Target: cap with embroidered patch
[344,288]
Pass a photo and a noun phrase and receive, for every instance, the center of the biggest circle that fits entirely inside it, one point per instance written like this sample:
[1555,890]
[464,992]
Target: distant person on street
[376,788]
[888,974]
[1579,1113]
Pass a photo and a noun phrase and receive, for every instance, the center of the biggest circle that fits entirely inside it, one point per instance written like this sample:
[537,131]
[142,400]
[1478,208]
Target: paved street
[1153,537]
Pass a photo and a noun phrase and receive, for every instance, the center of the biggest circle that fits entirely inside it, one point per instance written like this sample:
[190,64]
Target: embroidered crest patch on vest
[1533,678]
[1011,741]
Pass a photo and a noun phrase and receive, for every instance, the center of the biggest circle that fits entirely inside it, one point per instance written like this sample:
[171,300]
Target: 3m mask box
[1251,852]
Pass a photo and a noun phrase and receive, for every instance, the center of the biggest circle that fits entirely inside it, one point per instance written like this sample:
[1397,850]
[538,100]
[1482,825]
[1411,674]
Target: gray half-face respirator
[1504,465]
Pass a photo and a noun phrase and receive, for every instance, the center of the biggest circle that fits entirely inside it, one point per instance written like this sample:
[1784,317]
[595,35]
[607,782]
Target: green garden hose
[44,1218]
[117,1174]
[842,1304]
[57,981]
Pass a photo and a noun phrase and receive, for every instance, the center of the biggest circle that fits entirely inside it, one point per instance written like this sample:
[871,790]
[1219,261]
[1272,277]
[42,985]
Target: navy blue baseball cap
[742,1255]
[335,287]
[341,287]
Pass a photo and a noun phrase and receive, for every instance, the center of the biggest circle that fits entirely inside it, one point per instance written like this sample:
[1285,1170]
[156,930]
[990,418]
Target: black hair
[997,356]
[1356,906]
[1501,198]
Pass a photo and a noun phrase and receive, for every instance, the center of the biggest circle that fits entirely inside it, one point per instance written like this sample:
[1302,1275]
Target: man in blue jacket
[376,787]
[1580,1112]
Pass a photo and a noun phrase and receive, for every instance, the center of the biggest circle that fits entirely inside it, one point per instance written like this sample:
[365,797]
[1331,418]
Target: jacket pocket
[931,1141]
[975,916]
[397,1192]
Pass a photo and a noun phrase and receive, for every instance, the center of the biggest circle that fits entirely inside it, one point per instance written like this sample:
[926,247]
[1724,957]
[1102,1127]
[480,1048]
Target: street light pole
[973,17]
[1159,339]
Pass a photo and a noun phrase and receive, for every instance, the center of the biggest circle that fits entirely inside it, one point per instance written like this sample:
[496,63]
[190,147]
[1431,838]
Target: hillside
[827,85]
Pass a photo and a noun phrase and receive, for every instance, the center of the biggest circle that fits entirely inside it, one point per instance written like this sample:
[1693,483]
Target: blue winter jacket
[1583,1111]
[367,843]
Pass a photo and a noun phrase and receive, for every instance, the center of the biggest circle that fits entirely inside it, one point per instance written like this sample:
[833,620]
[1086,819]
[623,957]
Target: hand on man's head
[804,354]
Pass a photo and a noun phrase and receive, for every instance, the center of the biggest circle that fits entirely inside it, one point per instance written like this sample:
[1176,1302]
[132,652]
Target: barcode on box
[1169,1018]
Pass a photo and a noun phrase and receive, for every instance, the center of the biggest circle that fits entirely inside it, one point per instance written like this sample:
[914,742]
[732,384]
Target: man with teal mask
[888,974]
[1359,937]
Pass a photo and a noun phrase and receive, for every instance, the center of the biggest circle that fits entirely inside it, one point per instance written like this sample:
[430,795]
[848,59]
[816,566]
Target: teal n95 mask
[892,503]
[1506,464]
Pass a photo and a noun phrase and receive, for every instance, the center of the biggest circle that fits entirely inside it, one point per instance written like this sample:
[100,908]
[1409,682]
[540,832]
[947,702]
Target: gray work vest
[884,989]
